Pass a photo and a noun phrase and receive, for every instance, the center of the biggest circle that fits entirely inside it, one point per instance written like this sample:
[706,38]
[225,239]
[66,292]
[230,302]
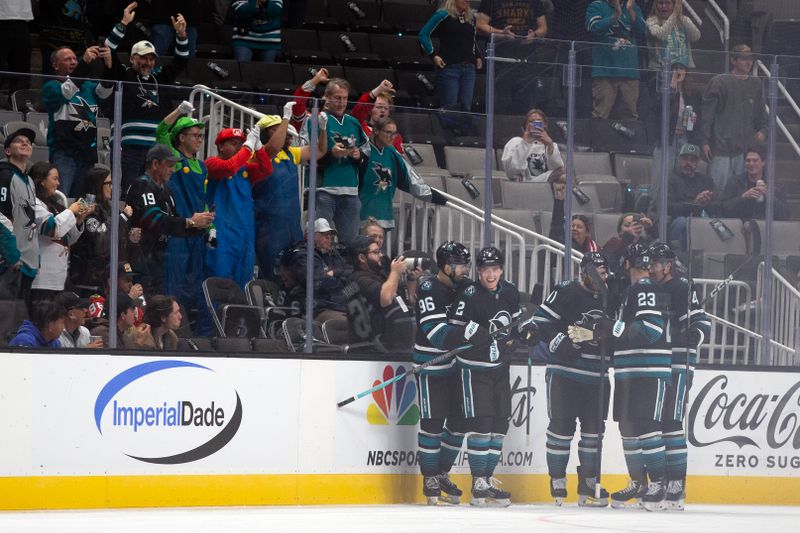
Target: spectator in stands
[72,115]
[163,316]
[379,289]
[126,281]
[154,211]
[745,194]
[631,228]
[62,23]
[376,105]
[18,201]
[61,228]
[371,228]
[241,160]
[383,172]
[682,122]
[669,33]
[734,116]
[44,327]
[515,25]
[330,273]
[337,192]
[186,265]
[276,198]
[142,99]
[534,156]
[615,58]
[257,30]
[581,235]
[291,291]
[90,256]
[457,56]
[75,333]
[690,193]
[128,335]
[162,34]
[15,43]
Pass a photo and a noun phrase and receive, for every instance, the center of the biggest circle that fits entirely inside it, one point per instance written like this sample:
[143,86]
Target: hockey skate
[676,495]
[654,497]
[451,494]
[558,490]
[431,489]
[497,496]
[587,495]
[630,497]
[480,492]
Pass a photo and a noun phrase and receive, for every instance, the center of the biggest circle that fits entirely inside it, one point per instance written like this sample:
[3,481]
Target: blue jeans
[677,231]
[163,36]
[243,53]
[343,211]
[722,167]
[456,84]
[72,170]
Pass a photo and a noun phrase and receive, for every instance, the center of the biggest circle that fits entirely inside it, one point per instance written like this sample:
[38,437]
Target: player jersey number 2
[647,299]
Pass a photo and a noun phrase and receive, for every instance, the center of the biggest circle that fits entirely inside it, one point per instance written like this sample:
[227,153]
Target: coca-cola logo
[741,417]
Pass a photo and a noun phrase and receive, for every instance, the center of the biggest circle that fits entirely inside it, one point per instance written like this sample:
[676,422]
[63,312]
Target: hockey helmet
[490,256]
[637,256]
[452,252]
[661,253]
[594,258]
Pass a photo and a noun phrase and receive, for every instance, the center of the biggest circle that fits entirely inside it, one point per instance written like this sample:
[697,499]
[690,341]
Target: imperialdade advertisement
[68,415]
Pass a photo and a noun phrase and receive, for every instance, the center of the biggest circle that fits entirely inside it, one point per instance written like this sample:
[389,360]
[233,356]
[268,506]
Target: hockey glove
[527,332]
[562,347]
[579,334]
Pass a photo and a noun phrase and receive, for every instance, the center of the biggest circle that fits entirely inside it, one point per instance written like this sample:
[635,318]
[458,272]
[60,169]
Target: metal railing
[759,65]
[784,318]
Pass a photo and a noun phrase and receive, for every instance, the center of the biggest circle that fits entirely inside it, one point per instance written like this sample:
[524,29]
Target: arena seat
[632,168]
[592,163]
[460,159]
[14,125]
[524,195]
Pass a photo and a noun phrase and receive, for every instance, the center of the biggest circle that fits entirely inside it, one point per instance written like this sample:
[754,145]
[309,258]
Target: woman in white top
[61,229]
[533,156]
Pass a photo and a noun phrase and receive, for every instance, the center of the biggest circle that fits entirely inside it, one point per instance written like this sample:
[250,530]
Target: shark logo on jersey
[84,113]
[348,142]
[500,320]
[149,98]
[384,176]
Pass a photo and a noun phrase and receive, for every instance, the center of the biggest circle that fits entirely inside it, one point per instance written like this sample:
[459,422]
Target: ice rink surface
[395,518]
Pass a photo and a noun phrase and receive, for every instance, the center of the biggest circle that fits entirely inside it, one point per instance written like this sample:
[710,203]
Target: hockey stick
[689,319]
[435,361]
[601,286]
[528,405]
[724,283]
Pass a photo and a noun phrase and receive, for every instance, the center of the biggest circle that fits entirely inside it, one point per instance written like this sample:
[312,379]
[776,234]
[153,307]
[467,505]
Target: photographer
[381,290]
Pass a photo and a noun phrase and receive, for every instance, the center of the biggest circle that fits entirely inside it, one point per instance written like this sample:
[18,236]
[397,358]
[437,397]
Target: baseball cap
[161,152]
[69,300]
[742,50]
[690,149]
[142,48]
[182,124]
[321,225]
[267,121]
[125,269]
[230,133]
[27,132]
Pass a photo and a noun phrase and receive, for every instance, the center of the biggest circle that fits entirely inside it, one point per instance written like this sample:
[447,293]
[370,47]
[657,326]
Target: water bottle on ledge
[425,82]
[623,129]
[347,42]
[221,72]
[357,11]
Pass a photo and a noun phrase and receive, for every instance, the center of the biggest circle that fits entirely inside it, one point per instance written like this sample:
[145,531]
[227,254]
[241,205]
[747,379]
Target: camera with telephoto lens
[424,263]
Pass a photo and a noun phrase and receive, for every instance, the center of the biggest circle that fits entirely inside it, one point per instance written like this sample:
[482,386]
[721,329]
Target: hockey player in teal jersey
[573,380]
[441,425]
[642,372]
[480,310]
[689,326]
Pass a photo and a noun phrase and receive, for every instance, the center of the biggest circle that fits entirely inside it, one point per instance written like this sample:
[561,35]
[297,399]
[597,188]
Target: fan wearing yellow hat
[277,200]
[240,159]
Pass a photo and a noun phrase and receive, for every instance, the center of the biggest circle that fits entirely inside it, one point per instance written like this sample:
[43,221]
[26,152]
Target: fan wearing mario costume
[241,159]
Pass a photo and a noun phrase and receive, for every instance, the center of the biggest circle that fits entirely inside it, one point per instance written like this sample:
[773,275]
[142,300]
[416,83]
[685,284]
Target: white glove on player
[322,120]
[494,351]
[253,138]
[186,108]
[578,334]
[287,110]
[69,89]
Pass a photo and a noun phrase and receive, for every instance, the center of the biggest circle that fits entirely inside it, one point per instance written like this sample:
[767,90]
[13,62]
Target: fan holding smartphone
[534,155]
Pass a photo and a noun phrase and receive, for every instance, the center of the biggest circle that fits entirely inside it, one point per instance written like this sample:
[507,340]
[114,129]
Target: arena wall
[94,431]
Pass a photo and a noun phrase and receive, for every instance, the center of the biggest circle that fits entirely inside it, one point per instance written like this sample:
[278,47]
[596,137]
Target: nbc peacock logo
[395,404]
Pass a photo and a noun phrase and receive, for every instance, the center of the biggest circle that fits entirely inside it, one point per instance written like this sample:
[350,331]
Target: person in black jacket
[690,193]
[154,211]
[744,196]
